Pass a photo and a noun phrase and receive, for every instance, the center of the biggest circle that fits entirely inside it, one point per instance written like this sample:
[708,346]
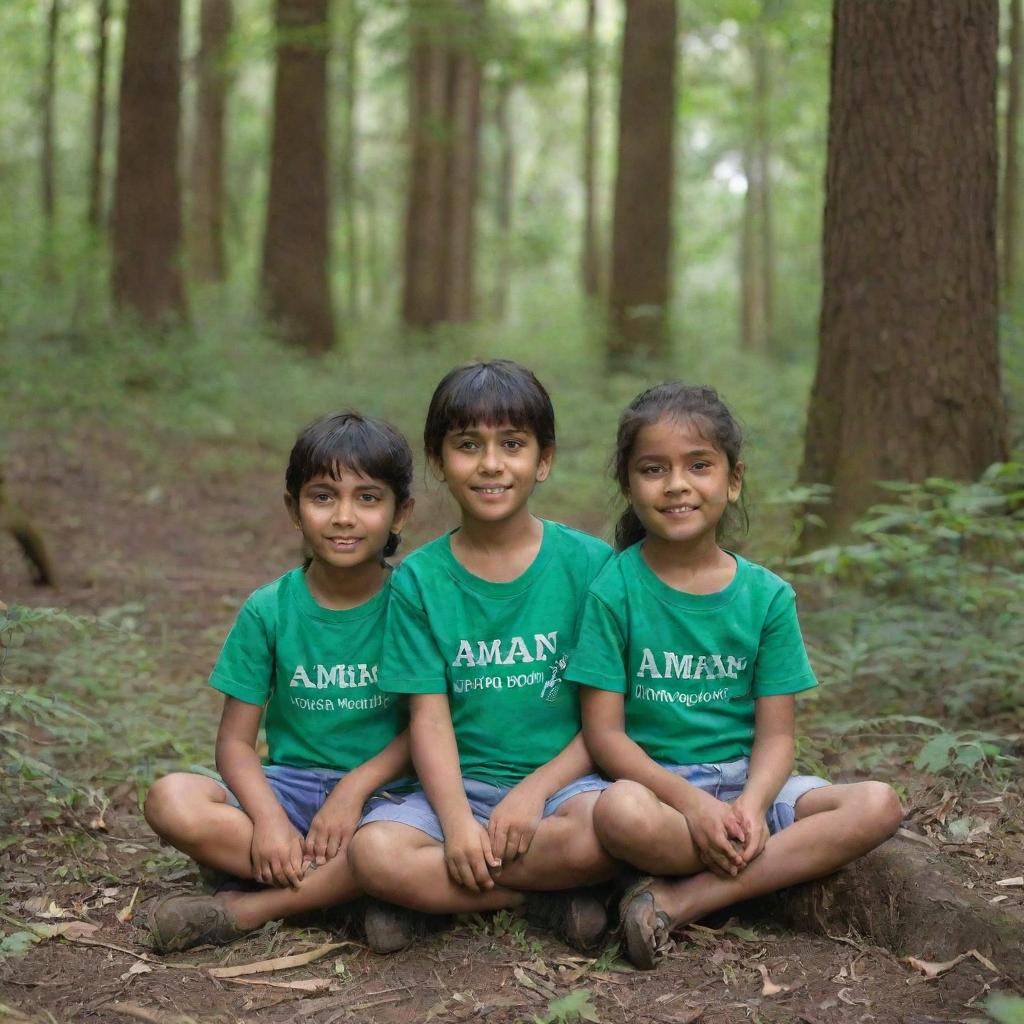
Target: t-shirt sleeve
[782,665]
[245,667]
[411,661]
[599,657]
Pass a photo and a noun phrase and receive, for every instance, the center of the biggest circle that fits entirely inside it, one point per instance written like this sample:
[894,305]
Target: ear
[436,468]
[402,514]
[547,458]
[736,482]
[293,510]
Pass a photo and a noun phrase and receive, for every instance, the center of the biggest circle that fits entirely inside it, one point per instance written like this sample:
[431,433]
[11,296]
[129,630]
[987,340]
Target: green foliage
[1005,1009]
[17,944]
[575,1006]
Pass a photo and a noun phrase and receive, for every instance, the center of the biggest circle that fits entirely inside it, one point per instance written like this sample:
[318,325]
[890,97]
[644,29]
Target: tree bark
[147,198]
[444,128]
[348,166]
[1011,175]
[295,283]
[49,80]
[503,198]
[642,226]
[99,116]
[207,164]
[907,383]
[590,259]
[753,312]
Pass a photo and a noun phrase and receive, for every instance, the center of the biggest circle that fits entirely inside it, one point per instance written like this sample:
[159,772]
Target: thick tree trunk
[147,199]
[1011,176]
[207,164]
[642,227]
[348,173]
[99,116]
[49,80]
[907,383]
[503,196]
[907,900]
[753,312]
[295,282]
[590,257]
[444,127]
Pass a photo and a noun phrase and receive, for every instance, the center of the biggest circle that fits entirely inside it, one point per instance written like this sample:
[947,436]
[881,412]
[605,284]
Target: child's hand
[332,827]
[514,822]
[714,825]
[468,856]
[754,825]
[276,853]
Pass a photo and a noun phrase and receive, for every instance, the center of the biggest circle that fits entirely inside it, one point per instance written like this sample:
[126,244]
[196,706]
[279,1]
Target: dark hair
[684,402]
[493,392]
[361,443]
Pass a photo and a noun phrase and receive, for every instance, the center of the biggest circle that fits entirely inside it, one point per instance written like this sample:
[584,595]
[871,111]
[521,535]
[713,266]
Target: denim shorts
[414,809]
[301,791]
[726,781]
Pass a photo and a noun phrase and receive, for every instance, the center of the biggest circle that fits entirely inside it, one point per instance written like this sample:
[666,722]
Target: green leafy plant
[575,1006]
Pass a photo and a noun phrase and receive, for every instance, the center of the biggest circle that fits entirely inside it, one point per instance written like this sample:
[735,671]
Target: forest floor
[167,556]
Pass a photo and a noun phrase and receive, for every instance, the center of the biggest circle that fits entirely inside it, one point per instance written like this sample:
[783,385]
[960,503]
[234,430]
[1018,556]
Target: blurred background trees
[651,173]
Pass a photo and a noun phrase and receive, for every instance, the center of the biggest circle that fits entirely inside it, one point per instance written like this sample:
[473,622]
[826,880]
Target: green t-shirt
[498,650]
[316,671]
[690,666]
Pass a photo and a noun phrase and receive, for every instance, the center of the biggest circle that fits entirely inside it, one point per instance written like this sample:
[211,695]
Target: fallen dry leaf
[998,899]
[933,970]
[42,906]
[844,996]
[1018,881]
[139,967]
[280,963]
[304,985]
[769,988]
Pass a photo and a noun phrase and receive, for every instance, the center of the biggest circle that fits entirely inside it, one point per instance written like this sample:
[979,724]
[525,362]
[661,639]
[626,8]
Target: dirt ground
[190,547]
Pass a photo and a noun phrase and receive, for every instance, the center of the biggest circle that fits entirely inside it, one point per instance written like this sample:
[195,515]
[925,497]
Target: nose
[490,461]
[677,481]
[344,512]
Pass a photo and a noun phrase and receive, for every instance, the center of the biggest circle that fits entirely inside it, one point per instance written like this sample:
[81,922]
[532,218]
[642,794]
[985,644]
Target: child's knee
[882,807]
[625,817]
[170,805]
[377,861]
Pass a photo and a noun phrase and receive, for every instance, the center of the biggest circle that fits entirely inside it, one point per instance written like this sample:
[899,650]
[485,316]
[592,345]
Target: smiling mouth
[344,542]
[491,490]
[678,510]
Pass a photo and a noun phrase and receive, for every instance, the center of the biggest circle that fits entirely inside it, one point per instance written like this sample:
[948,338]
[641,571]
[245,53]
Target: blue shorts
[726,781]
[415,810]
[301,791]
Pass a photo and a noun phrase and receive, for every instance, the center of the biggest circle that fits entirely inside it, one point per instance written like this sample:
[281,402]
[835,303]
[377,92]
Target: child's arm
[712,822]
[771,761]
[467,849]
[515,819]
[276,850]
[335,823]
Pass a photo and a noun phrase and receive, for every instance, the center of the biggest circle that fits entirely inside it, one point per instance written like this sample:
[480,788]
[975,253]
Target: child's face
[680,483]
[491,471]
[346,522]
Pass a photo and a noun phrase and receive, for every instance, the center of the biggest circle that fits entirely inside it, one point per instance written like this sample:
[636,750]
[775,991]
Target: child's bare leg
[192,814]
[834,825]
[565,852]
[633,825]
[403,865]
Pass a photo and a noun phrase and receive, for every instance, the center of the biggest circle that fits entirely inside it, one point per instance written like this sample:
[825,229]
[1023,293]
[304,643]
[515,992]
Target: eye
[700,465]
[320,498]
[650,470]
[466,445]
[514,444]
[369,499]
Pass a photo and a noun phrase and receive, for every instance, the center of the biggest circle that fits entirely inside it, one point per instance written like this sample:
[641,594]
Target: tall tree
[591,249]
[1011,173]
[49,82]
[639,293]
[99,115]
[757,242]
[444,129]
[907,383]
[206,169]
[295,280]
[147,198]
[355,14]
[503,193]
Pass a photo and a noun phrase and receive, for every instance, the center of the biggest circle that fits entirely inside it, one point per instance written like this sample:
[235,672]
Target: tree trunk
[49,80]
[99,116]
[207,165]
[907,383]
[642,225]
[444,128]
[591,259]
[503,199]
[349,156]
[295,282]
[757,242]
[147,199]
[905,899]
[1011,176]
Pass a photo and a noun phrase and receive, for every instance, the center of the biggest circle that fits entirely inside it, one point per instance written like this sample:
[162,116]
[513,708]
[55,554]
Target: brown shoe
[645,928]
[181,922]
[577,917]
